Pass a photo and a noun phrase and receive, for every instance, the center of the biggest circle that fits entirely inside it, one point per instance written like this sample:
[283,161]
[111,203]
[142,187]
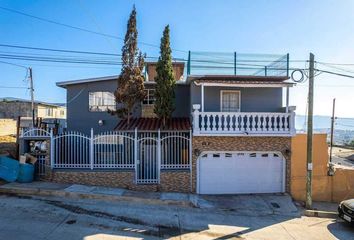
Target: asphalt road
[52,218]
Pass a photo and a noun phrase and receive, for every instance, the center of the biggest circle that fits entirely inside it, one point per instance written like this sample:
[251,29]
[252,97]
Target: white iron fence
[145,152]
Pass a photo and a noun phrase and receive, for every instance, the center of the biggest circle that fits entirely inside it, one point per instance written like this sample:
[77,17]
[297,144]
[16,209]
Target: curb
[320,214]
[94,196]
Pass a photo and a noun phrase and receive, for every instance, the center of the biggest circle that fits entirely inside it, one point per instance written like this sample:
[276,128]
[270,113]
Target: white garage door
[241,172]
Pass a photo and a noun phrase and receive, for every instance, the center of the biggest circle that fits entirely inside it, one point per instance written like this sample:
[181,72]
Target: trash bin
[26,173]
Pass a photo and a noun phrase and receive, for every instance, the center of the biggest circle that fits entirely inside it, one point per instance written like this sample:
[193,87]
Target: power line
[74,51]
[335,73]
[78,28]
[337,64]
[10,87]
[337,68]
[13,64]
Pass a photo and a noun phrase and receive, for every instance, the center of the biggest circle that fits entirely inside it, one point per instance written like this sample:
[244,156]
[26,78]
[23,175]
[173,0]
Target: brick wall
[281,144]
[170,181]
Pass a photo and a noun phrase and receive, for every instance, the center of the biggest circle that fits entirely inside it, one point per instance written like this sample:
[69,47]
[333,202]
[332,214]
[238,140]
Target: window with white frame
[230,101]
[149,97]
[101,101]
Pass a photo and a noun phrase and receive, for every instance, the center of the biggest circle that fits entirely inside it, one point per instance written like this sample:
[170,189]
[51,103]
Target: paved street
[54,218]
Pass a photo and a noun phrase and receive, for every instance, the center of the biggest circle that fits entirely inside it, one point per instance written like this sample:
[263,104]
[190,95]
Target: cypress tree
[130,90]
[165,80]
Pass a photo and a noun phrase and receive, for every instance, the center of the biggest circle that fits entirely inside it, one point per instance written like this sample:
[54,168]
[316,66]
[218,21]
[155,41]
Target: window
[62,112]
[101,101]
[149,97]
[49,112]
[230,101]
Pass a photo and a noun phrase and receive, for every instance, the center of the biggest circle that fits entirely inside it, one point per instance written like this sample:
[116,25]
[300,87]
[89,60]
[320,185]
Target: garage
[240,172]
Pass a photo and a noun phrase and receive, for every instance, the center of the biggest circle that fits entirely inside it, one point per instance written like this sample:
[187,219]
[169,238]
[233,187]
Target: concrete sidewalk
[249,205]
[96,192]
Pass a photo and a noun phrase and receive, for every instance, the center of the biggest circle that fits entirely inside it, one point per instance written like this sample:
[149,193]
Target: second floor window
[150,97]
[230,101]
[101,101]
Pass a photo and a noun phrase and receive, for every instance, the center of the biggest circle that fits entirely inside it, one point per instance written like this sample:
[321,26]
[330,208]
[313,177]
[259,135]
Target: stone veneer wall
[170,181]
[213,143]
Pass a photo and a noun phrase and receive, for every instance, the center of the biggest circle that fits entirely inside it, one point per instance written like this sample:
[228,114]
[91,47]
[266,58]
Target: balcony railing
[243,124]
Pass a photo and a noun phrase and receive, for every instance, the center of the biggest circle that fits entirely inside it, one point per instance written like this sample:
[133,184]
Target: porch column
[202,86]
[287,100]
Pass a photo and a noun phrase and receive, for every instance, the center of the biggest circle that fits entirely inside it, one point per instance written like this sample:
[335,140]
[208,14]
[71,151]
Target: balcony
[242,123]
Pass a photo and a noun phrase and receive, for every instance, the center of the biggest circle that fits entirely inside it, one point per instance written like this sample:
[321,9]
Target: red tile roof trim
[153,124]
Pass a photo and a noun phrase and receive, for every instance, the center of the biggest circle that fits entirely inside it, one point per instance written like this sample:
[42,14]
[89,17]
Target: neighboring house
[16,107]
[230,132]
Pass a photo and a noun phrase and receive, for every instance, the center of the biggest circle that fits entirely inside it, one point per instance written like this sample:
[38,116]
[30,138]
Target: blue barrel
[9,169]
[26,173]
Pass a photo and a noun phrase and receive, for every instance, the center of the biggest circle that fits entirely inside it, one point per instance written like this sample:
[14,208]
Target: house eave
[246,85]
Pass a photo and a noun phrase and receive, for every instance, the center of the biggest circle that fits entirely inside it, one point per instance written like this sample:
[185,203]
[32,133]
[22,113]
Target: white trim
[287,100]
[256,85]
[99,79]
[202,93]
[231,91]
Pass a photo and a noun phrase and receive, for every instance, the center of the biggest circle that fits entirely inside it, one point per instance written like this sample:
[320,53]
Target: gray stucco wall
[252,99]
[79,118]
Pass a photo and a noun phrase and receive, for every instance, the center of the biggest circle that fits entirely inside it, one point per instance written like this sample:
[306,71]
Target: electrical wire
[14,64]
[337,68]
[335,73]
[337,64]
[78,28]
[13,87]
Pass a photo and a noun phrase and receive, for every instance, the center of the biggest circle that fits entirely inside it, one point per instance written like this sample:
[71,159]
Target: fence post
[292,123]
[235,65]
[189,63]
[190,160]
[136,154]
[158,154]
[51,149]
[91,150]
[196,113]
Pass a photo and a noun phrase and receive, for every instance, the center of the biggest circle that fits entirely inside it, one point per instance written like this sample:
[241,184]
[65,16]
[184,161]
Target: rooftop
[154,124]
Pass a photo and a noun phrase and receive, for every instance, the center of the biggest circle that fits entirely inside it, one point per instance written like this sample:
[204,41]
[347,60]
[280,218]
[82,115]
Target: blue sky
[296,27]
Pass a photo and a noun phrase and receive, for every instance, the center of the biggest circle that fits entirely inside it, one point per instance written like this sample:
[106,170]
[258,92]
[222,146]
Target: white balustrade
[243,123]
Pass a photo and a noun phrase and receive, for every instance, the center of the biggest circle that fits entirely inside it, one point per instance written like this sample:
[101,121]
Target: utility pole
[309,133]
[32,94]
[332,129]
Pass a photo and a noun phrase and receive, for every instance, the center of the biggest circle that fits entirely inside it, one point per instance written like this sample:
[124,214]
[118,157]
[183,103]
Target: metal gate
[145,152]
[147,168]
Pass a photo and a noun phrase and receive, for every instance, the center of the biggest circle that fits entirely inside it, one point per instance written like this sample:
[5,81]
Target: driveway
[58,218]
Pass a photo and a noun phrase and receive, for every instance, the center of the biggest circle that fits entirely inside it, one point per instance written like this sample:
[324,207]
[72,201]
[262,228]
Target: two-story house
[230,132]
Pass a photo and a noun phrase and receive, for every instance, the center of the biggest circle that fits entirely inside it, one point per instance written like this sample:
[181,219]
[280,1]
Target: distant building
[14,107]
